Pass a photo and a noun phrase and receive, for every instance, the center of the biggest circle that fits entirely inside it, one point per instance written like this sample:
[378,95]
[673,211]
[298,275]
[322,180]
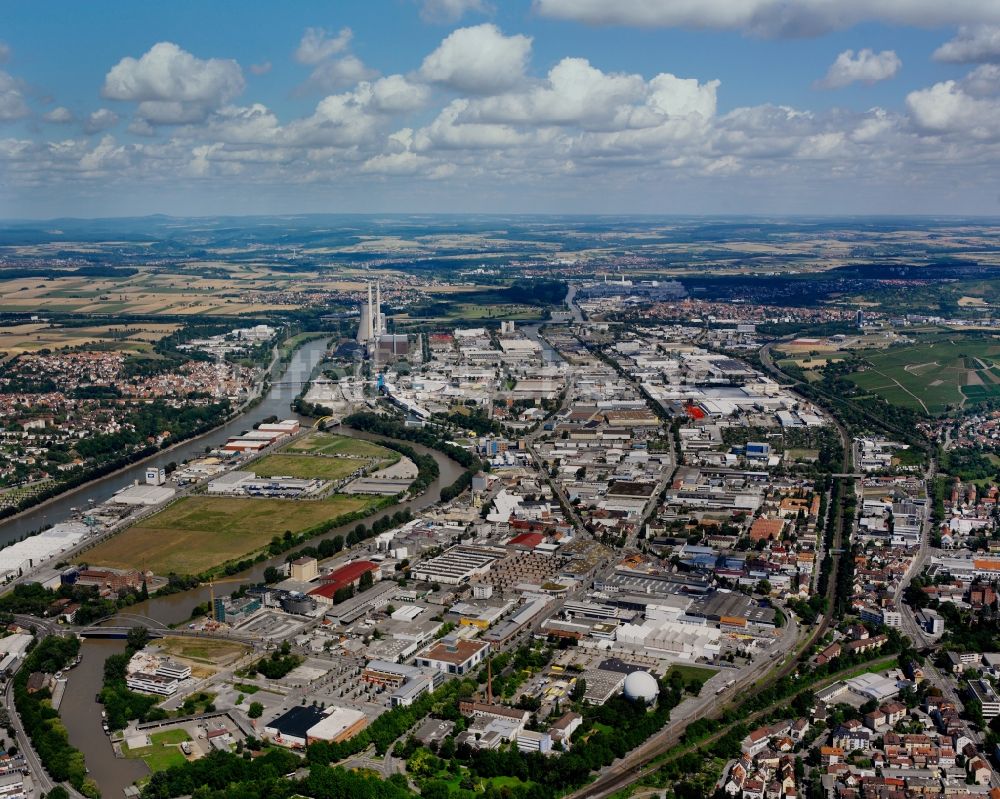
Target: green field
[197,533]
[935,375]
[319,443]
[471,311]
[163,751]
[699,674]
[307,466]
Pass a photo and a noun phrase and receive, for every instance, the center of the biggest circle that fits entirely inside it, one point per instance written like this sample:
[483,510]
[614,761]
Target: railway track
[636,763]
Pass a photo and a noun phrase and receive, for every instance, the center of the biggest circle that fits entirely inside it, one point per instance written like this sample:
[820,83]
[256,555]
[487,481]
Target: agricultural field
[197,533]
[319,443]
[935,375]
[35,336]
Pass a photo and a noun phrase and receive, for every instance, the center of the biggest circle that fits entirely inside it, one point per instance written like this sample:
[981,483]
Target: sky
[215,107]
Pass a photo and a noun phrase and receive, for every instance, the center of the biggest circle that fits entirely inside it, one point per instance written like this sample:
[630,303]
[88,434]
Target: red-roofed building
[695,412]
[764,528]
[526,540]
[343,577]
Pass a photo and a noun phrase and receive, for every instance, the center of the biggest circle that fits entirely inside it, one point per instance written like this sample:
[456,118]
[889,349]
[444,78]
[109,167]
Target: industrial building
[306,724]
[453,655]
[458,564]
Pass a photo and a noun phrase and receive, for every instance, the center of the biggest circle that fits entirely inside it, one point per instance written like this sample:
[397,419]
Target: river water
[80,713]
[81,716]
[277,402]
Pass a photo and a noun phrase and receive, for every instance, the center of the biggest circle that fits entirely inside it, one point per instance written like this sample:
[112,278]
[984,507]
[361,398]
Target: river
[277,402]
[549,354]
[81,716]
[177,608]
[79,712]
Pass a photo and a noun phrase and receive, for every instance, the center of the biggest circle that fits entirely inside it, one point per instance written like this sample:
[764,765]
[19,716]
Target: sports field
[934,375]
[199,532]
[307,466]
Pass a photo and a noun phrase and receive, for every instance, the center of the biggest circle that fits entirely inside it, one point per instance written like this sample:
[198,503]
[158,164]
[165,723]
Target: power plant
[373,324]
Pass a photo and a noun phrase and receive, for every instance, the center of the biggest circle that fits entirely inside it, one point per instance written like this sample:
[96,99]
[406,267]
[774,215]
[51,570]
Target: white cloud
[405,163]
[973,44]
[170,112]
[451,10]
[396,94]
[771,17]
[4,52]
[173,86]
[502,133]
[107,155]
[261,69]
[337,74]
[866,66]
[59,116]
[318,45]
[576,93]
[140,127]
[12,105]
[447,132]
[101,119]
[950,108]
[983,81]
[480,60]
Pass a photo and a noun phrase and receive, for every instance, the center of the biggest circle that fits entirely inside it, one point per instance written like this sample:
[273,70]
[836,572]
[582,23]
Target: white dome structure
[641,686]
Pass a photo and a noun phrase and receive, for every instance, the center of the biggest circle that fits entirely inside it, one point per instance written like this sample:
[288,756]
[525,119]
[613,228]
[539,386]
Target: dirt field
[200,650]
[196,533]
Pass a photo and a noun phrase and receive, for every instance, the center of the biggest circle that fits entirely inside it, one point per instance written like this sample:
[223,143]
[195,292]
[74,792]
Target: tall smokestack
[371,317]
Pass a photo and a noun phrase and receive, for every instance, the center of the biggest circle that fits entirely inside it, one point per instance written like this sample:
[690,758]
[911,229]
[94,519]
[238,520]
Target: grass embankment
[319,443]
[292,343]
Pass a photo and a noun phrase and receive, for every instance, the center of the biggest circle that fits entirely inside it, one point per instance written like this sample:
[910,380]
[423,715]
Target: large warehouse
[664,638]
[458,564]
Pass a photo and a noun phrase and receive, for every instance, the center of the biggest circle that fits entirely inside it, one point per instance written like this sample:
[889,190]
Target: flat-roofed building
[458,564]
[986,695]
[291,728]
[487,710]
[304,569]
[382,672]
[151,684]
[530,741]
[339,724]
[453,655]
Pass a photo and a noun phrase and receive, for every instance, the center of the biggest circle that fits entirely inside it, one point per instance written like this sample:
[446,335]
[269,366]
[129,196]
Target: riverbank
[275,400]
